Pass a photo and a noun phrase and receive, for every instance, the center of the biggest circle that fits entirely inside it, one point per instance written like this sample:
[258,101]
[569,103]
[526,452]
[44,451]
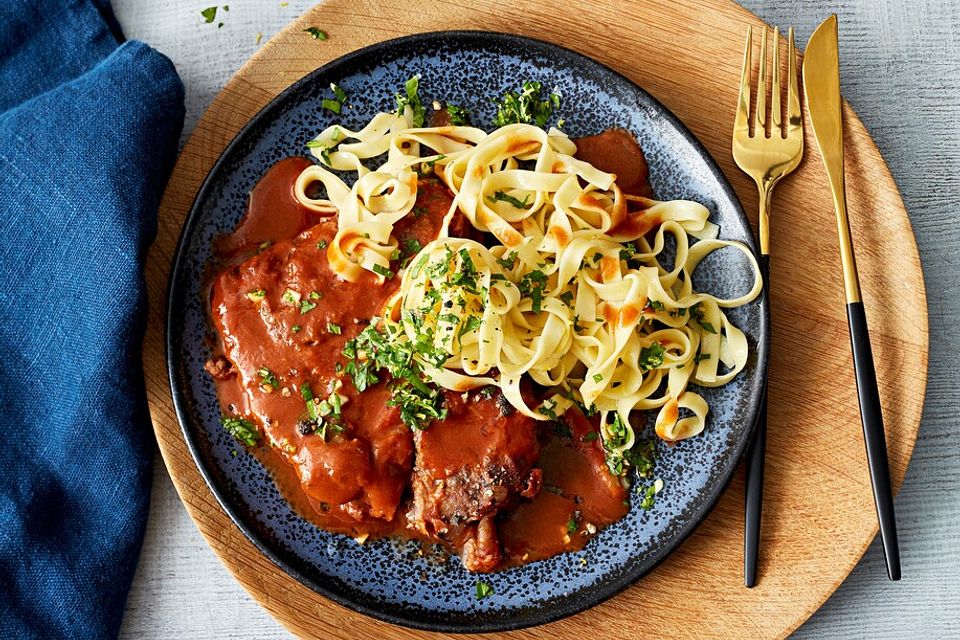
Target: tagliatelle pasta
[577,293]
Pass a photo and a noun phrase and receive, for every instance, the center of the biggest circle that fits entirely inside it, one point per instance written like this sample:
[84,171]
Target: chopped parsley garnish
[458,115]
[526,106]
[500,196]
[700,356]
[590,436]
[508,260]
[334,328]
[411,99]
[598,378]
[383,271]
[466,276]
[648,497]
[651,357]
[268,378]
[257,295]
[322,245]
[420,402]
[472,323]
[291,297]
[627,252]
[209,14]
[318,34]
[306,306]
[567,297]
[641,457]
[548,408]
[296,328]
[617,437]
[697,314]
[432,163]
[532,286]
[483,590]
[411,247]
[572,524]
[334,104]
[308,398]
[656,305]
[241,429]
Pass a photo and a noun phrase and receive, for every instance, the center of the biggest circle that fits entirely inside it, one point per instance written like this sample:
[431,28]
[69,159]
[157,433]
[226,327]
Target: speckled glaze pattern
[386,578]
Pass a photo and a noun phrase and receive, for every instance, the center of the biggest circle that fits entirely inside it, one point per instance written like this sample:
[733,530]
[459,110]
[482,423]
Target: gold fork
[766,160]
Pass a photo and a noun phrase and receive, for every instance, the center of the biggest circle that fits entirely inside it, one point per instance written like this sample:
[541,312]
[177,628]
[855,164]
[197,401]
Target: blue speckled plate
[387,579]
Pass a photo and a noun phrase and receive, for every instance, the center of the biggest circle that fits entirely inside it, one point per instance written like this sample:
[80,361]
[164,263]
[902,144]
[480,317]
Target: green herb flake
[656,305]
[411,98]
[598,378]
[483,590]
[296,328]
[697,314]
[290,297]
[458,115]
[209,14]
[322,245]
[533,285]
[383,271]
[501,196]
[507,261]
[331,105]
[528,105]
[420,402]
[257,295]
[306,307]
[700,357]
[652,357]
[649,498]
[572,524]
[241,429]
[334,328]
[411,247]
[267,377]
[318,34]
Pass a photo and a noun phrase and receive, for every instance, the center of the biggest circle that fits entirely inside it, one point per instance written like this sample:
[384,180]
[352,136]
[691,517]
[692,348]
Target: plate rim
[602,591]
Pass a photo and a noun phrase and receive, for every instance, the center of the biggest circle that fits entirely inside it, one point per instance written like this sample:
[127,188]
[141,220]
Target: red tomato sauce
[494,486]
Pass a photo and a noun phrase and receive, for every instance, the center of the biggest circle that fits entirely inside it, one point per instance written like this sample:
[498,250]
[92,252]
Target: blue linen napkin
[89,129]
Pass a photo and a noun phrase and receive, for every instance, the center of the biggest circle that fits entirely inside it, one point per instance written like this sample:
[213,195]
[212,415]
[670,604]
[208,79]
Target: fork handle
[873,435]
[753,503]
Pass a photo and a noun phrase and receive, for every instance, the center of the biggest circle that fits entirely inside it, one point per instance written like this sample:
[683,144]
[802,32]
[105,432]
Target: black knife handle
[873,435]
[753,502]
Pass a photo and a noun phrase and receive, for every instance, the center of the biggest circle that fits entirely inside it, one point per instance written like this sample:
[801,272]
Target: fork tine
[794,120]
[776,127]
[761,116]
[743,104]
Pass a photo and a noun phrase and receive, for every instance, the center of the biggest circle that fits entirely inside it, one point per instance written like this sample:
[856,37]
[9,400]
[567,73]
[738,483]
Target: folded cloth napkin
[88,132]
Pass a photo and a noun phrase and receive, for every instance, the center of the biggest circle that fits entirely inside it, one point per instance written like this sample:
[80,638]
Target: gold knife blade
[821,87]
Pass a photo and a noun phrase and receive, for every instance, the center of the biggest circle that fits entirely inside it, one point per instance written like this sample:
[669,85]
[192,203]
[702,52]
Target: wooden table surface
[901,74]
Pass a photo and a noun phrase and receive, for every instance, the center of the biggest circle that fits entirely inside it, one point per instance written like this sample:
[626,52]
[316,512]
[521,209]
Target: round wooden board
[818,511]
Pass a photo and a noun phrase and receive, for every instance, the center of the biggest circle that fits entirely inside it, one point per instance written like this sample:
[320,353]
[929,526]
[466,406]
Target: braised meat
[283,317]
[471,466]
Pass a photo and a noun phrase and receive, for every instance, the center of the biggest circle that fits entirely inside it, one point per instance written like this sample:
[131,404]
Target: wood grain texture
[901,349]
